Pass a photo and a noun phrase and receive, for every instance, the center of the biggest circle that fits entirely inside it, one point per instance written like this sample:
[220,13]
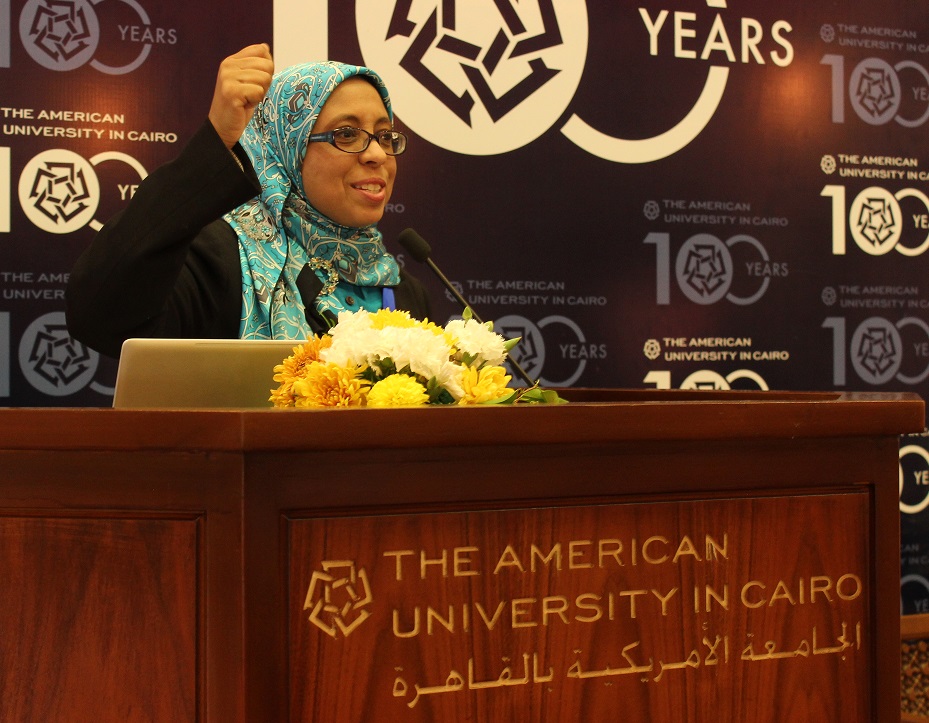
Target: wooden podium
[634,555]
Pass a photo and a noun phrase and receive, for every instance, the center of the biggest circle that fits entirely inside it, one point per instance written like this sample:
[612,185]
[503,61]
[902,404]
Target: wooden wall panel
[98,614]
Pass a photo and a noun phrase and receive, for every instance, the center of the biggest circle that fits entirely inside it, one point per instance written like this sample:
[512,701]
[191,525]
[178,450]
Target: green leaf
[536,395]
[549,396]
[507,399]
[445,398]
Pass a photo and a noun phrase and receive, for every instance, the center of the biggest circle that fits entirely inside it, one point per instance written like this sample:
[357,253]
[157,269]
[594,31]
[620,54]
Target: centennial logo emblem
[59,35]
[59,191]
[877,350]
[876,347]
[64,34]
[532,350]
[875,220]
[876,89]
[875,216]
[487,77]
[52,361]
[481,77]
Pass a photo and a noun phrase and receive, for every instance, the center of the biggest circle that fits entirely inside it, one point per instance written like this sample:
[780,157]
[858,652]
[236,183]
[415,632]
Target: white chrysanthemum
[475,339]
[449,378]
[355,341]
[424,351]
[352,340]
[351,322]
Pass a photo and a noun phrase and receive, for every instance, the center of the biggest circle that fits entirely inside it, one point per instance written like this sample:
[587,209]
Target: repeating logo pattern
[59,190]
[490,76]
[876,90]
[705,268]
[63,35]
[532,351]
[875,220]
[876,349]
[52,361]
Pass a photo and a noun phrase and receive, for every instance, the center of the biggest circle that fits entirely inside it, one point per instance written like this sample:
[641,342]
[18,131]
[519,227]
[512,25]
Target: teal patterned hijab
[279,232]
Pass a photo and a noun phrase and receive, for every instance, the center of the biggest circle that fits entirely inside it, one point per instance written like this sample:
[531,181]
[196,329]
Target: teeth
[371,187]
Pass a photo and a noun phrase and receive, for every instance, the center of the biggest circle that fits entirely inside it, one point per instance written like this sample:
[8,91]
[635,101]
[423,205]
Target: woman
[264,226]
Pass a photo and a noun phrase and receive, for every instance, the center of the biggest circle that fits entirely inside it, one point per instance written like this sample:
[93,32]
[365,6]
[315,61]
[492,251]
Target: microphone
[420,250]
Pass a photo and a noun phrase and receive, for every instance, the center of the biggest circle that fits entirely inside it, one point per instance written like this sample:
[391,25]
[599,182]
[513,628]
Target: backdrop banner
[713,194]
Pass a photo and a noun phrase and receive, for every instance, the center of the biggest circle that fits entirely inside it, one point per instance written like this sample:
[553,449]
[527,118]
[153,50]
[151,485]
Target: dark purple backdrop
[719,264]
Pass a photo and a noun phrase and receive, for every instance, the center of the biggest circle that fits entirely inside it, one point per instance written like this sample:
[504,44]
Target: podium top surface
[593,416]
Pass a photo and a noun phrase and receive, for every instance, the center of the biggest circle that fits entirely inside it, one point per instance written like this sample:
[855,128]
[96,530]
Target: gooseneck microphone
[420,250]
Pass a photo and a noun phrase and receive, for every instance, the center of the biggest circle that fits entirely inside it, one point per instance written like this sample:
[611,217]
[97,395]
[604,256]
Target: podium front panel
[694,610]
[654,556]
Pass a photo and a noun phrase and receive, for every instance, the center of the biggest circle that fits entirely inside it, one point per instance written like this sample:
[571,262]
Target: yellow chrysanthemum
[294,368]
[384,318]
[484,385]
[397,390]
[328,385]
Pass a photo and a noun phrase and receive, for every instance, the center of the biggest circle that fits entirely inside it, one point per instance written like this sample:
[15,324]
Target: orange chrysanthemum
[294,369]
[329,385]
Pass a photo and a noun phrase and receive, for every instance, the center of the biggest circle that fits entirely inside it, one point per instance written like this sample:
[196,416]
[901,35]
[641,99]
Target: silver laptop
[198,373]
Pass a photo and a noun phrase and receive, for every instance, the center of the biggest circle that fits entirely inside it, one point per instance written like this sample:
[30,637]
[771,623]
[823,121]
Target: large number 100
[876,220]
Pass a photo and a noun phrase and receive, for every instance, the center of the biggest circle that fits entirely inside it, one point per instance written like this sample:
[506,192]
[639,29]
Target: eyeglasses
[356,140]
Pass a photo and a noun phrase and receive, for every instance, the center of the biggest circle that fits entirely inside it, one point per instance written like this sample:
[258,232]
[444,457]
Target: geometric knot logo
[337,597]
[704,268]
[61,30]
[458,287]
[530,352]
[877,352]
[512,40]
[480,77]
[58,358]
[875,91]
[59,191]
[876,221]
[52,361]
[652,349]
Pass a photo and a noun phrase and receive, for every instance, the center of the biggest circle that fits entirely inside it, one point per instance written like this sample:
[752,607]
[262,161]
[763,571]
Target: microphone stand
[419,249]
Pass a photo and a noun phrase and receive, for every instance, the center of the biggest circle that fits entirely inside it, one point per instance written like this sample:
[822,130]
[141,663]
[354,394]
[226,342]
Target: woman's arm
[166,265]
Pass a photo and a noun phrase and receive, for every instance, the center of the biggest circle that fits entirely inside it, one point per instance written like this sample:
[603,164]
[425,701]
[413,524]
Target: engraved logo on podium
[337,597]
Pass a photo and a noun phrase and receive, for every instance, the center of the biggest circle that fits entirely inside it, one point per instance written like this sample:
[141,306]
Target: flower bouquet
[389,359]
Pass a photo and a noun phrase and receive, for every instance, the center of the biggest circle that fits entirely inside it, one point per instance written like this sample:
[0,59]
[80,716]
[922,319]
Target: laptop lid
[198,373]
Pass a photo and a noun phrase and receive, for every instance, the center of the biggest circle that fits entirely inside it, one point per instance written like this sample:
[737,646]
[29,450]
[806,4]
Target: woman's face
[350,188]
